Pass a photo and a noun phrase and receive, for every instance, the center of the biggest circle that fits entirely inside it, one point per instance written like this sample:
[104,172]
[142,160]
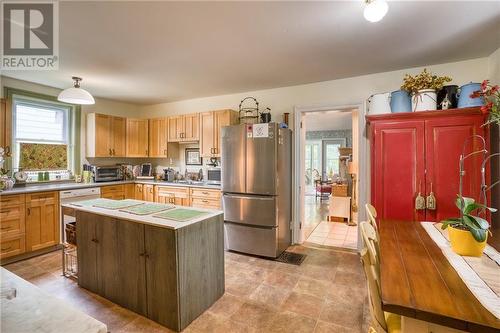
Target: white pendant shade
[375,10]
[76,95]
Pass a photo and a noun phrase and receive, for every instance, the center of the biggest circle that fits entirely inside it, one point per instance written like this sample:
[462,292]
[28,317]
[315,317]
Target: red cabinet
[412,152]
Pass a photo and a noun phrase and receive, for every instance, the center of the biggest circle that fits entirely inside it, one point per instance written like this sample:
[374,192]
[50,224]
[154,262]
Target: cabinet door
[222,118]
[148,193]
[87,250]
[175,128]
[129,191]
[161,276]
[118,136]
[158,136]
[137,138]
[444,141]
[42,220]
[139,195]
[121,263]
[398,169]
[207,133]
[191,127]
[103,135]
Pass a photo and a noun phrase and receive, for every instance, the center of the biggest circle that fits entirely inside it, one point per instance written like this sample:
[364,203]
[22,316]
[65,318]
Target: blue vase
[400,101]
[464,99]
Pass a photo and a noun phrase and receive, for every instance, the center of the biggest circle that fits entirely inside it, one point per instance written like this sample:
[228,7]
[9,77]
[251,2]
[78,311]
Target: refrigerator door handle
[252,197]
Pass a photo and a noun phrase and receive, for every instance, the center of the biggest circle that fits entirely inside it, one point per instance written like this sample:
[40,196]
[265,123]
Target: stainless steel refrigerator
[256,186]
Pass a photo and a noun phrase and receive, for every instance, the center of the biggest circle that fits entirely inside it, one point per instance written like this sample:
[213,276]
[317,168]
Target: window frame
[73,131]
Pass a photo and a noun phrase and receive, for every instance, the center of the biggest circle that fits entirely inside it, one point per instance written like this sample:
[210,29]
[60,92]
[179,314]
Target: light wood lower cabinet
[171,194]
[205,198]
[139,192]
[148,190]
[129,191]
[42,220]
[12,225]
[114,192]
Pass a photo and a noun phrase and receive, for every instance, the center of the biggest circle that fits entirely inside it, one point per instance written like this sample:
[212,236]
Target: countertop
[62,186]
[147,219]
[33,310]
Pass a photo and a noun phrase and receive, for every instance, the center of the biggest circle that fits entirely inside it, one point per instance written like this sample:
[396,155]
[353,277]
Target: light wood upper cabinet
[158,137]
[210,133]
[42,220]
[105,135]
[137,138]
[191,127]
[184,128]
[119,134]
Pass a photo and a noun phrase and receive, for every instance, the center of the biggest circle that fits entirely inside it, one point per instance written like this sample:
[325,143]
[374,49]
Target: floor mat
[291,258]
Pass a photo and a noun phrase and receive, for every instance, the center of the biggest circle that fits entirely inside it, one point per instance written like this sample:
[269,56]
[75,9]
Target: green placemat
[146,209]
[117,204]
[180,214]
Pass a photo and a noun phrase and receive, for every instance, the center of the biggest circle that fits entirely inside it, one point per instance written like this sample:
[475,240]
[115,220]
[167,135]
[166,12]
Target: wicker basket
[70,230]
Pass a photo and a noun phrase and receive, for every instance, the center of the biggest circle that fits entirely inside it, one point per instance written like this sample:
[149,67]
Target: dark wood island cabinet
[168,274]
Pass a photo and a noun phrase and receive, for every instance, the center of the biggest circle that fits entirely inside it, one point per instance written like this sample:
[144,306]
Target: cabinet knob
[110,152]
[114,152]
[29,211]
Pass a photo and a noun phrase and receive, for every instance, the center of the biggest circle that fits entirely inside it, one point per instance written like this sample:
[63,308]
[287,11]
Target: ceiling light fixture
[76,95]
[375,10]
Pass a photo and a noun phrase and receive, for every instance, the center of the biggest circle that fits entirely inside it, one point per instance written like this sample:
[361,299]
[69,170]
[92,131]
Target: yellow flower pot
[464,244]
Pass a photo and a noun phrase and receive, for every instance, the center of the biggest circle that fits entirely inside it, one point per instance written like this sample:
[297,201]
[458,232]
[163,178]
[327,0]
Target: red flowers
[491,96]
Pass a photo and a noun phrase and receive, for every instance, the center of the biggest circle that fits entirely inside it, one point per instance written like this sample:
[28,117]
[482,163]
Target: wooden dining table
[418,282]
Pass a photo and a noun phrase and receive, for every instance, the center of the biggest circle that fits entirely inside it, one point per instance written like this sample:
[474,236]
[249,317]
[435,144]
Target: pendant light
[375,10]
[76,95]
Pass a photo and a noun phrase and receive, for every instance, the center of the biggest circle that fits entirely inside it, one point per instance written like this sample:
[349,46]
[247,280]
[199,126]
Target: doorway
[327,147]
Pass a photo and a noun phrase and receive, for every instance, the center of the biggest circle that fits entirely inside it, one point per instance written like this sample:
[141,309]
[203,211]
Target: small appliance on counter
[146,171]
[214,176]
[169,175]
[106,173]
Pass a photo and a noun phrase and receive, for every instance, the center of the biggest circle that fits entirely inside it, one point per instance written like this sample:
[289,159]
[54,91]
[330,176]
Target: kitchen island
[168,270]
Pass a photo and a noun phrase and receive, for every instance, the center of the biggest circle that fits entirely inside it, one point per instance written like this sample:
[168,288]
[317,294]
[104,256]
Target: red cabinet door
[444,141]
[397,168]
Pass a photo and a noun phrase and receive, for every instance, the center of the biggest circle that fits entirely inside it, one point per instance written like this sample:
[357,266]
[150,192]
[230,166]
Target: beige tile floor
[334,234]
[327,293]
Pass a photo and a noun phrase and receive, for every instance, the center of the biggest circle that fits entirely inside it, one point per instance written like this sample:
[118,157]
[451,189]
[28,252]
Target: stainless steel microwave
[107,173]
[214,176]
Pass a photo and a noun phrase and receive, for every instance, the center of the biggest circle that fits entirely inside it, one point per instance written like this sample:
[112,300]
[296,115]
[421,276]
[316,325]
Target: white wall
[494,67]
[348,91]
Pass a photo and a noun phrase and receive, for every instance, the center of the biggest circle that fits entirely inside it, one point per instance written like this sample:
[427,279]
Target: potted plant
[468,233]
[491,95]
[423,87]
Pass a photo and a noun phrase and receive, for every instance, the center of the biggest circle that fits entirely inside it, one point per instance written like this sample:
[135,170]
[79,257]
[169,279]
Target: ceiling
[152,52]
[327,120]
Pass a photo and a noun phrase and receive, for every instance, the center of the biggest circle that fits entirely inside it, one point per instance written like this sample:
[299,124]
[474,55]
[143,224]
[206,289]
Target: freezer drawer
[246,209]
[252,240]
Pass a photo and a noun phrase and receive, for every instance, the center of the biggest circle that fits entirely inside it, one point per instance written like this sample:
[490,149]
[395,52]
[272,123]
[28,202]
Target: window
[331,155]
[42,138]
[312,161]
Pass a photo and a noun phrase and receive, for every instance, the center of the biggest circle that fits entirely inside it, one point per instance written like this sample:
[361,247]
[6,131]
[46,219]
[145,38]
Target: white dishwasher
[68,226]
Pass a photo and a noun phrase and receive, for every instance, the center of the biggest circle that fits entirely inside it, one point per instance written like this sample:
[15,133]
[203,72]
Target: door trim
[298,166]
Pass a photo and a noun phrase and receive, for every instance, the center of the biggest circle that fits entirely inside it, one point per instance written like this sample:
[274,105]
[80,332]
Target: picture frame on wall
[193,156]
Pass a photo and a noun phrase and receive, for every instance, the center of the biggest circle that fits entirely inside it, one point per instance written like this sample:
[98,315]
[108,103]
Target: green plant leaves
[478,234]
[480,222]
[451,220]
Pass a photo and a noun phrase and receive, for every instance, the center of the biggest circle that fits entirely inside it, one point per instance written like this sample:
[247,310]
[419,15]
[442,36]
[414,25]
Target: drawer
[40,198]
[206,203]
[12,246]
[112,188]
[12,220]
[11,200]
[179,192]
[204,193]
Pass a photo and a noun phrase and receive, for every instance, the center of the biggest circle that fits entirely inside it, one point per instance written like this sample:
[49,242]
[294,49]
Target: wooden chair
[372,215]
[370,241]
[384,321]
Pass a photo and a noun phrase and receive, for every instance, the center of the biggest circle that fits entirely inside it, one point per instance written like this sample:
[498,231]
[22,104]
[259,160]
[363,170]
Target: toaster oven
[107,173]
[214,176]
